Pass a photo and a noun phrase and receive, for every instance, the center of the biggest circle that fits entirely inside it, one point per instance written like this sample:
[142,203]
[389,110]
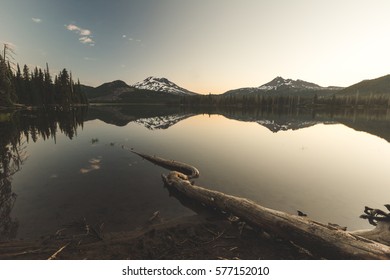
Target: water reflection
[152,117]
[77,169]
[16,130]
[376,122]
[11,159]
[47,123]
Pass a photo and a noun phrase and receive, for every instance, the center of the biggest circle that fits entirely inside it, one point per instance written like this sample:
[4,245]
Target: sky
[206,46]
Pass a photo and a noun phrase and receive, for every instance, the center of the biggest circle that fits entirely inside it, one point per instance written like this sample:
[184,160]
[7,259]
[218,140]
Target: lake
[61,167]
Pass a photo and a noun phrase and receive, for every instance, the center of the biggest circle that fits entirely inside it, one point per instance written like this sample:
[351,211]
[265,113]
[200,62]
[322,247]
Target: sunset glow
[204,46]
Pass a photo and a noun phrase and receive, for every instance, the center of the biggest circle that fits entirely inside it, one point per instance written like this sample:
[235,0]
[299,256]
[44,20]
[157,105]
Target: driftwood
[323,241]
[188,170]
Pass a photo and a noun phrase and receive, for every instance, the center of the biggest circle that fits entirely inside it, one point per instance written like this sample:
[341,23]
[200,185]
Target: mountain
[109,91]
[162,122]
[162,85]
[378,86]
[284,84]
[120,92]
[152,117]
[87,89]
[150,90]
[281,86]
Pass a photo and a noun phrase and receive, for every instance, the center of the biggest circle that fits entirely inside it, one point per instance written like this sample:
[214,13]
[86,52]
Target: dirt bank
[192,237]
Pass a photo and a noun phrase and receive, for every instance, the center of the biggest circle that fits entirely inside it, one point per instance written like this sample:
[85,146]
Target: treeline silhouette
[36,87]
[308,100]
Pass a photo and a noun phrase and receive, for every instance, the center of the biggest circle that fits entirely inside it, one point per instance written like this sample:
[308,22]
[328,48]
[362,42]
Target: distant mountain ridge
[109,91]
[162,85]
[161,90]
[378,86]
[283,86]
[151,89]
[280,83]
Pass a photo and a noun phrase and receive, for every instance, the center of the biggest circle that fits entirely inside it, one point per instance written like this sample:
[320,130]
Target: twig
[58,232]
[23,253]
[214,238]
[209,230]
[241,227]
[54,256]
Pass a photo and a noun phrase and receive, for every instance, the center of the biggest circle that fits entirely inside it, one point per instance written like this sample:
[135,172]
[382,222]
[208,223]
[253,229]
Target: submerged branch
[190,171]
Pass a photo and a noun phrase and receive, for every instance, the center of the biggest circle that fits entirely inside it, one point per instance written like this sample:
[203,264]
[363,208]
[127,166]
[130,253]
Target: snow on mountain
[282,86]
[279,125]
[162,85]
[280,83]
[162,122]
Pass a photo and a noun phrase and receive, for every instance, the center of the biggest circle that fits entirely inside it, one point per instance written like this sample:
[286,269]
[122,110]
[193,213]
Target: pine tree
[48,87]
[36,87]
[19,87]
[27,85]
[64,88]
[7,90]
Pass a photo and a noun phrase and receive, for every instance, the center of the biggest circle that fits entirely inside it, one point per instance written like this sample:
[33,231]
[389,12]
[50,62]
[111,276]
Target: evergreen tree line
[246,101]
[36,87]
[287,101]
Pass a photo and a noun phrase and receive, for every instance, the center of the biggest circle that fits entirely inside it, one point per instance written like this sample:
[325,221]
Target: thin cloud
[72,27]
[36,20]
[85,34]
[86,40]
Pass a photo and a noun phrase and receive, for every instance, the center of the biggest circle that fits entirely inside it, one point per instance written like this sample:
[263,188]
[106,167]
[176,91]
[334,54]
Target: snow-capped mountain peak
[280,83]
[162,85]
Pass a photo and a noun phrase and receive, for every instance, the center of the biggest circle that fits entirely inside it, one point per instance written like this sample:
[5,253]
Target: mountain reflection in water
[60,166]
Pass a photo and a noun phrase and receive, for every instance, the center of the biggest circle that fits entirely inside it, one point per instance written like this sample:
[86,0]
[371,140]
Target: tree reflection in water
[17,129]
[11,159]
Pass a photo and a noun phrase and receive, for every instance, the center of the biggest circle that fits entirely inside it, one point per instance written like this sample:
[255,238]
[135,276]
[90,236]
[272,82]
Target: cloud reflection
[94,165]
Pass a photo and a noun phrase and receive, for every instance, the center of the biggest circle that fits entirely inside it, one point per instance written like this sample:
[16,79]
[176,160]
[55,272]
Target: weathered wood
[320,239]
[187,169]
[381,233]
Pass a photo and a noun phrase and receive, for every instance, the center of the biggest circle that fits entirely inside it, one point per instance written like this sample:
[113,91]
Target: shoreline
[188,238]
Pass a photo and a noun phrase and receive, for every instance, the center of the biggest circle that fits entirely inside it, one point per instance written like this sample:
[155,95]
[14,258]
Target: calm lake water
[60,167]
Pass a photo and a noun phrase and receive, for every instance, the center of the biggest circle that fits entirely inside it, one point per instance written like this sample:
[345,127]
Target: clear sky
[202,45]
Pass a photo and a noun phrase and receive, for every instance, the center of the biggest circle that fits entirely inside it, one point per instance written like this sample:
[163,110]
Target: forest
[36,87]
[277,101]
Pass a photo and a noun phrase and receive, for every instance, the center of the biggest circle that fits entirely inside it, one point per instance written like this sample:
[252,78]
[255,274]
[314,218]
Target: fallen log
[187,169]
[323,241]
